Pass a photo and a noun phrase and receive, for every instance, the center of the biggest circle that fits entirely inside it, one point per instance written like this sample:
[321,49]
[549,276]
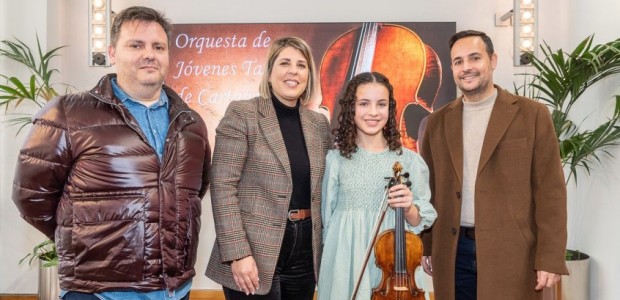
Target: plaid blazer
[251,187]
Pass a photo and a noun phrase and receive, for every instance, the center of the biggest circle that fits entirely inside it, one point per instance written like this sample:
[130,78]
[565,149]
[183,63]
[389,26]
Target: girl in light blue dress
[368,145]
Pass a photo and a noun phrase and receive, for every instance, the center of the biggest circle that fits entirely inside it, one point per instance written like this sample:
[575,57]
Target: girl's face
[289,76]
[372,107]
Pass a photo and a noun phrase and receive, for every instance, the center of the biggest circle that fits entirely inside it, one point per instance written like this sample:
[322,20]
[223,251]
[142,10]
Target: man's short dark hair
[467,33]
[139,13]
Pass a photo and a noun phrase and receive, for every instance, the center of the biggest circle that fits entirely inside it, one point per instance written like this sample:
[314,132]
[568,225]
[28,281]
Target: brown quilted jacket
[87,178]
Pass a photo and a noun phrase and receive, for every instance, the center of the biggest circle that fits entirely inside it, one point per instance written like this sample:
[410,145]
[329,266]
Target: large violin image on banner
[413,68]
[398,252]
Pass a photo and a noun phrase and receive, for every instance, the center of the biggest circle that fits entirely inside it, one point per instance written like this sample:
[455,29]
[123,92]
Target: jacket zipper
[138,130]
[166,145]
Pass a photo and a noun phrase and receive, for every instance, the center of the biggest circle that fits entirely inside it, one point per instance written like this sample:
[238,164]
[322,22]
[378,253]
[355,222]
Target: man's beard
[480,88]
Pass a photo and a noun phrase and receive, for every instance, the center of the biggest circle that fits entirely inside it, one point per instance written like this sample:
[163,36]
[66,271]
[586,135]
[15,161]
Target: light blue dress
[352,193]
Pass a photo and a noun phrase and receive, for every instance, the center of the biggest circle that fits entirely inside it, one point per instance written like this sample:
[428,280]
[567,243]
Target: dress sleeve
[421,193]
[329,193]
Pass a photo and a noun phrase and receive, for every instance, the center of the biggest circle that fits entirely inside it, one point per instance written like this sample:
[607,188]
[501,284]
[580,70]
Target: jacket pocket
[524,228]
[247,199]
[515,144]
[108,236]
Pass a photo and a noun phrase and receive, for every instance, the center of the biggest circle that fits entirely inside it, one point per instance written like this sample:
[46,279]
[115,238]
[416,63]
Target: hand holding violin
[401,196]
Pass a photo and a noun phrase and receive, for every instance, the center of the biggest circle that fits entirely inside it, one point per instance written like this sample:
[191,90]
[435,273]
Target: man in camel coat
[497,184]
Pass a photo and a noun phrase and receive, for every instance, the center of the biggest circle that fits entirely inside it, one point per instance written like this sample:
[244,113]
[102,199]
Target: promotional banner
[214,64]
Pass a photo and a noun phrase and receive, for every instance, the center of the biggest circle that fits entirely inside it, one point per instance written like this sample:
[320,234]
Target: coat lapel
[501,117]
[270,128]
[454,135]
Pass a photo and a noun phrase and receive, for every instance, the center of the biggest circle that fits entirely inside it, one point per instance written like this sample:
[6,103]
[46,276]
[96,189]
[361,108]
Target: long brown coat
[251,187]
[520,198]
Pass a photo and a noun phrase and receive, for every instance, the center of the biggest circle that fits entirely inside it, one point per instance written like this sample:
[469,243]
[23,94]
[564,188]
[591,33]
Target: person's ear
[112,54]
[493,61]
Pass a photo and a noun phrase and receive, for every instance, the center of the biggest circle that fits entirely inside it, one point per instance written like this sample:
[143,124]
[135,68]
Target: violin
[398,252]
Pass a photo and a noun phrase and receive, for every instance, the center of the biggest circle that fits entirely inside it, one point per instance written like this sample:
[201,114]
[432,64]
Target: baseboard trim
[17,297]
[206,295]
[194,295]
[210,295]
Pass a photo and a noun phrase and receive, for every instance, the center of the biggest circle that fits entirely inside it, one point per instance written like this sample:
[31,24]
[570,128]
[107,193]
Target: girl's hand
[401,196]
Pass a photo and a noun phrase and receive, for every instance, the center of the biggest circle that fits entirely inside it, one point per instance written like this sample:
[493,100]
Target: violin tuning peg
[408,183]
[406,175]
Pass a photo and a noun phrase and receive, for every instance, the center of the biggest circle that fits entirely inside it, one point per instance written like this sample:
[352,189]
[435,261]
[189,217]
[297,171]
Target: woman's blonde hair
[274,50]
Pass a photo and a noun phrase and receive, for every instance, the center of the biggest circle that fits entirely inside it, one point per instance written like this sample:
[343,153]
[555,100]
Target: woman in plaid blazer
[266,176]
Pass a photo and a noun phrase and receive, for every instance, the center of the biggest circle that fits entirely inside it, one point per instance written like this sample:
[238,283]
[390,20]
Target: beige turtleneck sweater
[475,121]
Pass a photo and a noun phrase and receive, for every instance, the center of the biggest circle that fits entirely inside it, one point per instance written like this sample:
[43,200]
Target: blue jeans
[79,296]
[466,273]
[294,274]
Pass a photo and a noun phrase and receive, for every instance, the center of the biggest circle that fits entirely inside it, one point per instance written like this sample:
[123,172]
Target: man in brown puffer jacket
[115,175]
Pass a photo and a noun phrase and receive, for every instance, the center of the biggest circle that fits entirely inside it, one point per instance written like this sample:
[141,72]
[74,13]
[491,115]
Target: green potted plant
[560,81]
[45,252]
[37,89]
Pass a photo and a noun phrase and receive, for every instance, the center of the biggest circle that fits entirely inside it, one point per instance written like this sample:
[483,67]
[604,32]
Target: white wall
[16,237]
[594,206]
[562,24]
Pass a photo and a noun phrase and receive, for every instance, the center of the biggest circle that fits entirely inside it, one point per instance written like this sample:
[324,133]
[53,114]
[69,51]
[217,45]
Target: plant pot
[49,288]
[575,286]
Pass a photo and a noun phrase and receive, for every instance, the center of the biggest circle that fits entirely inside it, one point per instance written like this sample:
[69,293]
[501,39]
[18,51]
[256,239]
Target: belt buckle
[293,211]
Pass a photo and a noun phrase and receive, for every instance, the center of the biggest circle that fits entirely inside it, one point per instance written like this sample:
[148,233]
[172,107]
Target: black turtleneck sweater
[290,126]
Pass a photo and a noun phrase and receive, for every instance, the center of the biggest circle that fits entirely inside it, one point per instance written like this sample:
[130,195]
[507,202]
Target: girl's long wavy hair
[346,131]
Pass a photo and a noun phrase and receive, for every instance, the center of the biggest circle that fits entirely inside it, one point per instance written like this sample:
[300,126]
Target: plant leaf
[38,88]
[560,80]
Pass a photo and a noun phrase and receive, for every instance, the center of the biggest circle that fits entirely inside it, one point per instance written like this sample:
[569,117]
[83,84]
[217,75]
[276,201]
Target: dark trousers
[466,271]
[86,296]
[294,274]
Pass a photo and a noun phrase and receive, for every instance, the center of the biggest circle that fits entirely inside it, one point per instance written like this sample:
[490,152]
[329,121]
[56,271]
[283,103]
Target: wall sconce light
[524,18]
[99,32]
[525,31]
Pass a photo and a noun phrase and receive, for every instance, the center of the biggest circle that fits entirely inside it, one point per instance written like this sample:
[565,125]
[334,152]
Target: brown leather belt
[468,232]
[299,214]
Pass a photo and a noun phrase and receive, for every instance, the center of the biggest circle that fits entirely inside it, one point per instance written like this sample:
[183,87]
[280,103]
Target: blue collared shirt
[153,120]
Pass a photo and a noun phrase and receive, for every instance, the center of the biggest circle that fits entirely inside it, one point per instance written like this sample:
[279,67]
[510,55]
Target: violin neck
[400,249]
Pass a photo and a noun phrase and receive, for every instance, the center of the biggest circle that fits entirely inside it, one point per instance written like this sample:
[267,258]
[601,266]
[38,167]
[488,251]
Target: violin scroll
[399,177]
